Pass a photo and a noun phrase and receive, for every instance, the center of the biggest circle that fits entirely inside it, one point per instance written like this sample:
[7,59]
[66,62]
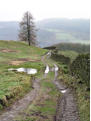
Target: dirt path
[66,108]
[20,105]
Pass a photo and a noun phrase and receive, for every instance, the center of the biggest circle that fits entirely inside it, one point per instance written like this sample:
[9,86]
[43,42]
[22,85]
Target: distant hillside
[9,30]
[51,31]
[64,30]
[68,25]
[79,48]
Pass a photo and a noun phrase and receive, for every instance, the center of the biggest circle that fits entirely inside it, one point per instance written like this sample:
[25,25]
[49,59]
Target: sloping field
[14,85]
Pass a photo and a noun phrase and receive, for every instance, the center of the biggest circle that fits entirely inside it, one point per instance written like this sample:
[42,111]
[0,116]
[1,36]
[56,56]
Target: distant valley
[52,31]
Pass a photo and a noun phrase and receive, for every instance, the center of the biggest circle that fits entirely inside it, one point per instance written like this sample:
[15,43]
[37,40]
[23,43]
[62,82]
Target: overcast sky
[12,10]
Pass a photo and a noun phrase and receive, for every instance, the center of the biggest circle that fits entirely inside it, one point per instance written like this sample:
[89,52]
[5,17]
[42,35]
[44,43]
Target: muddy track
[66,108]
[20,105]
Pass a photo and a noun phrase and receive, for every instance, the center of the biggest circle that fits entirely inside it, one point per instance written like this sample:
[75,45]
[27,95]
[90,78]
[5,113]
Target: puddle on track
[26,70]
[56,68]
[60,87]
[47,69]
[63,91]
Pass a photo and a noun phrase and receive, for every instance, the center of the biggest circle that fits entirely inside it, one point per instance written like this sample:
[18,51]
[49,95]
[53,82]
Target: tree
[27,29]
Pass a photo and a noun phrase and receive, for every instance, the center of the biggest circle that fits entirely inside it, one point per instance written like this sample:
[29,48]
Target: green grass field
[13,85]
[71,54]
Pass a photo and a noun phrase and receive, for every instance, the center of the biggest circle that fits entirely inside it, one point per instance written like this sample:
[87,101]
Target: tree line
[80,48]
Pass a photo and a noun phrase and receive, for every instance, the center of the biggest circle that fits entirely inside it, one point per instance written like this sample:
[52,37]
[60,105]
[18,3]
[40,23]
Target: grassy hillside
[71,54]
[79,48]
[14,85]
[13,55]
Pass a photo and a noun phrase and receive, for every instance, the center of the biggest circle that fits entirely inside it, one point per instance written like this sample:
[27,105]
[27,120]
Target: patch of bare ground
[22,60]
[7,50]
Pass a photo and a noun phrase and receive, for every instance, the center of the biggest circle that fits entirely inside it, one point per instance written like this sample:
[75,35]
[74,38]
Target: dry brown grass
[7,50]
[23,60]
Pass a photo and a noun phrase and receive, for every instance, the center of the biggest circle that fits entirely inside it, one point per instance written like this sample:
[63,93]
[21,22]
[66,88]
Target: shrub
[60,58]
[80,68]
